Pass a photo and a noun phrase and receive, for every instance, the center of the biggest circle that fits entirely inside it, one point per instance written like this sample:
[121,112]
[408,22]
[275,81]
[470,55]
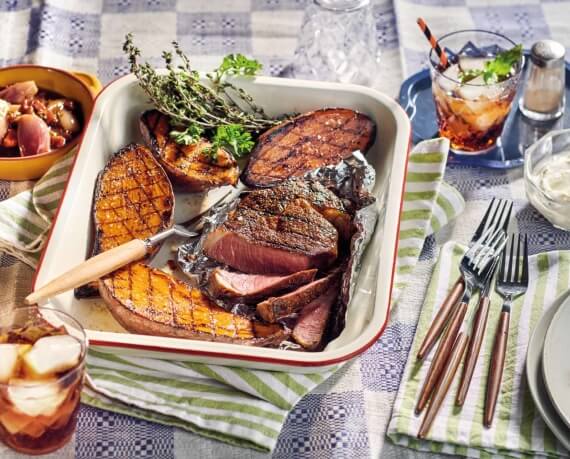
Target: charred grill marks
[315,139]
[146,300]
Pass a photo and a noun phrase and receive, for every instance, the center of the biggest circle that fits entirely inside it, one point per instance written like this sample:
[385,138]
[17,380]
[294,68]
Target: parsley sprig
[221,109]
[233,138]
[235,65]
[496,70]
[188,136]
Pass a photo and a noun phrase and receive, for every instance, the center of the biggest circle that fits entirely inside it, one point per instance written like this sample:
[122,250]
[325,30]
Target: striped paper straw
[434,44]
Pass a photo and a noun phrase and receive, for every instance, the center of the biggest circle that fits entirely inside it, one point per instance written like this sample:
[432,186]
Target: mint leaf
[496,70]
[468,75]
[499,68]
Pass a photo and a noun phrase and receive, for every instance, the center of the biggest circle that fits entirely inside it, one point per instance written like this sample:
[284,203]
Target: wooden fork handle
[441,356]
[473,350]
[496,368]
[446,379]
[442,317]
[90,270]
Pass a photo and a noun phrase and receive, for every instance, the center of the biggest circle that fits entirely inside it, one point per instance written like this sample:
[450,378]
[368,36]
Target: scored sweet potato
[187,165]
[133,199]
[151,302]
[315,139]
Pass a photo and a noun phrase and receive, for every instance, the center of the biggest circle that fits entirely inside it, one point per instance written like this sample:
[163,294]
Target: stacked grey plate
[548,368]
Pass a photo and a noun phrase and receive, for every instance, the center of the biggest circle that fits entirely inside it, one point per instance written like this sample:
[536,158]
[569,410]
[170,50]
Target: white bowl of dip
[547,177]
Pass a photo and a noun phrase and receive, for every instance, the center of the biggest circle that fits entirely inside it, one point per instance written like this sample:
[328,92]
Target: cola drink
[41,377]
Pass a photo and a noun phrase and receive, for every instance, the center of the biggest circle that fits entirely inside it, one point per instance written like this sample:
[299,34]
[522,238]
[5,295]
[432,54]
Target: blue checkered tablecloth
[346,416]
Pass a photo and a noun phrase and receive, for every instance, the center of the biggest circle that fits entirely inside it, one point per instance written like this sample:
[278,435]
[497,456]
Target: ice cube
[62,415]
[9,359]
[36,397]
[467,63]
[476,89]
[449,79]
[485,116]
[52,354]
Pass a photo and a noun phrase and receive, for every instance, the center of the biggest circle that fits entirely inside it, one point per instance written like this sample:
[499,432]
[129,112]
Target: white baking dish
[114,123]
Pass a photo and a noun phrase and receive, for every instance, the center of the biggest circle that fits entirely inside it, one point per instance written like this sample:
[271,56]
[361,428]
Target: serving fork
[512,282]
[457,351]
[497,216]
[106,262]
[473,270]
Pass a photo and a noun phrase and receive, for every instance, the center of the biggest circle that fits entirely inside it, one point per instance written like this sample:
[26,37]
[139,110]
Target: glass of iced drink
[474,93]
[42,359]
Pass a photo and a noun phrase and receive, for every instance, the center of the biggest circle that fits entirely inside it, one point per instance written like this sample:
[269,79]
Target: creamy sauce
[553,177]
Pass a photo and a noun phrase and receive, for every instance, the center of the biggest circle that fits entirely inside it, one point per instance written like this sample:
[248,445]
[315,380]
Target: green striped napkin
[25,219]
[518,430]
[235,405]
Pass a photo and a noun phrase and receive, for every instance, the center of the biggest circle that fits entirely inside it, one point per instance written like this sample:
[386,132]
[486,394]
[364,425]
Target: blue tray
[519,132]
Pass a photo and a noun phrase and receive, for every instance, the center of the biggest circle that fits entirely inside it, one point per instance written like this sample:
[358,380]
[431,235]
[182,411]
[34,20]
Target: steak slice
[274,201]
[133,199]
[309,141]
[297,239]
[148,301]
[249,287]
[187,165]
[276,308]
[310,326]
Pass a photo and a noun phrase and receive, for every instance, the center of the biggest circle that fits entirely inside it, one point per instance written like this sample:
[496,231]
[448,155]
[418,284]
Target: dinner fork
[512,282]
[456,354]
[497,215]
[479,324]
[472,267]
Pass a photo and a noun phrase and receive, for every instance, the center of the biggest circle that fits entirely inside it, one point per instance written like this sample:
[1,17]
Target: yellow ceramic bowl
[81,87]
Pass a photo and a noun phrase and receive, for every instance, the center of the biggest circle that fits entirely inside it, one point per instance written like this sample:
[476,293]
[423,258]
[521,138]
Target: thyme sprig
[196,108]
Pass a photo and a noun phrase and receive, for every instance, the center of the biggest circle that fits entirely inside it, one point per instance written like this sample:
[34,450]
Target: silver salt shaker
[544,90]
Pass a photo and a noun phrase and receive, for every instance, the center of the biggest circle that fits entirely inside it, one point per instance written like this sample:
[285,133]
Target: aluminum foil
[352,180]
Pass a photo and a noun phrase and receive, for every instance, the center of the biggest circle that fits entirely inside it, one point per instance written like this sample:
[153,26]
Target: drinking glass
[38,415]
[471,115]
[337,42]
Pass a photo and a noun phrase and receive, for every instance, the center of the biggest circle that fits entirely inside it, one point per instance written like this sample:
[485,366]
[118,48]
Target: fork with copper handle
[476,340]
[472,267]
[497,215]
[512,281]
[451,365]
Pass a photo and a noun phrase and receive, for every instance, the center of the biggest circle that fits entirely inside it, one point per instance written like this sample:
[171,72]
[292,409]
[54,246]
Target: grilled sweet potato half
[133,199]
[151,302]
[187,165]
[309,141]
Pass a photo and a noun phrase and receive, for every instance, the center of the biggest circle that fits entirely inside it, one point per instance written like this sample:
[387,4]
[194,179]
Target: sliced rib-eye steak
[256,242]
[274,200]
[310,326]
[309,141]
[249,287]
[276,308]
